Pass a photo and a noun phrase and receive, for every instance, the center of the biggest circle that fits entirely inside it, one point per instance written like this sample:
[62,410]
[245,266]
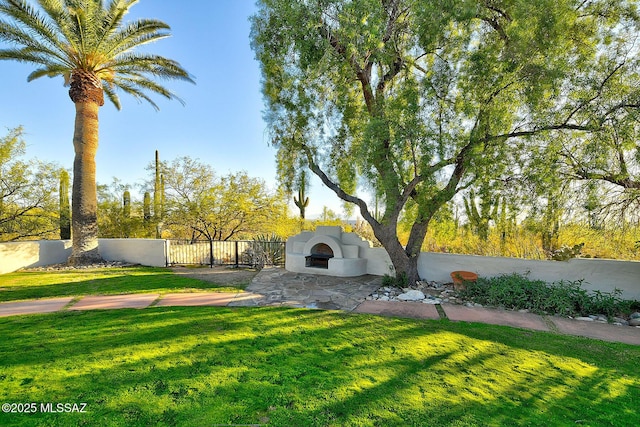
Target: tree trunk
[404,262]
[84,194]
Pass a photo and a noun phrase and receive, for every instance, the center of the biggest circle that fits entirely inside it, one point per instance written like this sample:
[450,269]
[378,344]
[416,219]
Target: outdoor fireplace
[320,255]
[327,251]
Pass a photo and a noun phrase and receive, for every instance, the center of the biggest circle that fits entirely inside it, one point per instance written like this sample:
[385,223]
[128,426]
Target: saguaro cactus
[302,201]
[126,213]
[146,207]
[157,197]
[163,198]
[65,207]
[126,204]
[479,218]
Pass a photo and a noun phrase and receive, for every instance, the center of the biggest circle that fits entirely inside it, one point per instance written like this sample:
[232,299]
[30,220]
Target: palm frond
[17,36]
[133,90]
[25,55]
[155,65]
[61,19]
[65,36]
[111,95]
[33,24]
[137,34]
[112,21]
[48,71]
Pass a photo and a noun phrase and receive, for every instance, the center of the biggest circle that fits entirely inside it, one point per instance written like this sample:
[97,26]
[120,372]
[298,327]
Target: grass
[102,281]
[285,367]
[192,366]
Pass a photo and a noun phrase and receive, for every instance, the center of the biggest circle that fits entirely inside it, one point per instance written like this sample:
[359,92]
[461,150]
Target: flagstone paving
[104,302]
[199,299]
[495,317]
[33,306]
[278,286]
[601,331]
[399,309]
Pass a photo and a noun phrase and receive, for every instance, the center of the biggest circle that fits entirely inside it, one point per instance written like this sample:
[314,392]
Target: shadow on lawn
[195,366]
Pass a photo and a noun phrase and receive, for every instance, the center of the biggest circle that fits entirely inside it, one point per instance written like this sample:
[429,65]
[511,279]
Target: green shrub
[566,298]
[399,281]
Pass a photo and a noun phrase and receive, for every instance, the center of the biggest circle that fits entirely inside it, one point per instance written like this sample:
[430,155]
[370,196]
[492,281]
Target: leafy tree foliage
[201,204]
[28,189]
[418,99]
[118,215]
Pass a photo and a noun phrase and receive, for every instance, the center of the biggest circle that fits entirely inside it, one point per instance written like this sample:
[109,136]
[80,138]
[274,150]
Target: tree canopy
[28,188]
[201,204]
[416,100]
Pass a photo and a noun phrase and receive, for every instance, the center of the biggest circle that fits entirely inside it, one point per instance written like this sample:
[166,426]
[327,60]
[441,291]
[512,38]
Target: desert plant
[397,281]
[566,298]
[65,207]
[126,213]
[479,217]
[302,201]
[146,207]
[265,250]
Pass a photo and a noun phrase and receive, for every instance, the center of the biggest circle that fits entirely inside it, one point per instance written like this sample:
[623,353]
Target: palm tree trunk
[84,195]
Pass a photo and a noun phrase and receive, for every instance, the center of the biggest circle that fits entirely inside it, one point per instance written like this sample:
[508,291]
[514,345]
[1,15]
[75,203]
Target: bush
[399,281]
[564,298]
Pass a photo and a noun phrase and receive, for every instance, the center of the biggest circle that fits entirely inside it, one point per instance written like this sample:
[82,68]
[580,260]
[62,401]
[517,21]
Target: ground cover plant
[567,298]
[282,367]
[105,281]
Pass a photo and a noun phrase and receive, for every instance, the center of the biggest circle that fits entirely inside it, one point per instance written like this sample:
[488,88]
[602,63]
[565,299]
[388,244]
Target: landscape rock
[620,321]
[65,267]
[411,295]
[438,293]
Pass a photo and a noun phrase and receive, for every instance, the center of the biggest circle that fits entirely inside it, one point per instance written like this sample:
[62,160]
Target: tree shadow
[208,365]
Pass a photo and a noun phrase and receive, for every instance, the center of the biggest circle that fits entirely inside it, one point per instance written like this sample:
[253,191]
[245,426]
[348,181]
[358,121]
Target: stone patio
[277,286]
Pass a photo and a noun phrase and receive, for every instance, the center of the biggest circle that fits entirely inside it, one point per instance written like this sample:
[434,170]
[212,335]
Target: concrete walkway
[276,287]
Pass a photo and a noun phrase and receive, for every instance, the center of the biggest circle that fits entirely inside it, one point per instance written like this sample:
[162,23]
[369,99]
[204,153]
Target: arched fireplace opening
[320,255]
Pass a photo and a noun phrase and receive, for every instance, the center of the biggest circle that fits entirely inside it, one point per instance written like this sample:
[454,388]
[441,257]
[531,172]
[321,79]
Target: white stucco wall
[17,255]
[149,252]
[598,274]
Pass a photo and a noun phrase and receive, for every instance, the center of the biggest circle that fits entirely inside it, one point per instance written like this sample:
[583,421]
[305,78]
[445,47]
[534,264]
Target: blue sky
[221,123]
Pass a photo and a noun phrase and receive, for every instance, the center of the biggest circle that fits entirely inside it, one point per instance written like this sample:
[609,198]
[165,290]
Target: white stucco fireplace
[327,251]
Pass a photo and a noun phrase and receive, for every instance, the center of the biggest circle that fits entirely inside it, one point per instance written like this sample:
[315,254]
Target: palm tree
[87,43]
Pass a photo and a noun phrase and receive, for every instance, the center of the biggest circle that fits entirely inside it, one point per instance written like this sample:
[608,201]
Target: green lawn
[297,367]
[102,281]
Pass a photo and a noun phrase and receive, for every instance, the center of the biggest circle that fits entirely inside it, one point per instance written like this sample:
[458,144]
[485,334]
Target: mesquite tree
[28,204]
[418,99]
